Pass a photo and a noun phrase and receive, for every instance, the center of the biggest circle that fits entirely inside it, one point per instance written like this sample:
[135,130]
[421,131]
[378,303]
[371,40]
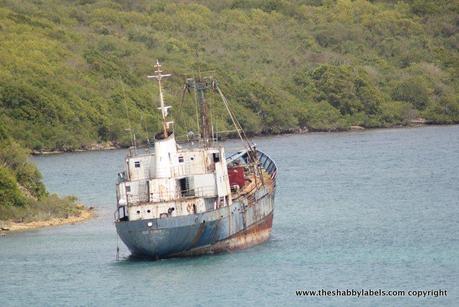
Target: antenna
[164,109]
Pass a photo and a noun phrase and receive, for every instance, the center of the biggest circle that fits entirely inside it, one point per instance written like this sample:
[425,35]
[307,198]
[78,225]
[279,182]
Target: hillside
[73,72]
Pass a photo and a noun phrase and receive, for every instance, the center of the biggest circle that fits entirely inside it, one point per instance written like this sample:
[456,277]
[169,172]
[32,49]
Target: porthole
[138,211]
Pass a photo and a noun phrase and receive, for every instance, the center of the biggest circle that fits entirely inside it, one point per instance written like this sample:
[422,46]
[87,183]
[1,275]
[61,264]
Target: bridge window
[216,157]
[186,186]
[137,163]
[180,159]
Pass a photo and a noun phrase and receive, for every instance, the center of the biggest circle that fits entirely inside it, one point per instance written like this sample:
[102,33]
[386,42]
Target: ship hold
[184,199]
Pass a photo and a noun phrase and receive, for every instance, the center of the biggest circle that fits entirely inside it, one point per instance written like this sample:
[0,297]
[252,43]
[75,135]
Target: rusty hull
[254,235]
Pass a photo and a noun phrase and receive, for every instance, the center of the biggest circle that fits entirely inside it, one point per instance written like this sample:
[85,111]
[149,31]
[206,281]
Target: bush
[444,111]
[23,196]
[322,116]
[10,195]
[13,157]
[347,89]
[397,113]
[49,207]
[414,91]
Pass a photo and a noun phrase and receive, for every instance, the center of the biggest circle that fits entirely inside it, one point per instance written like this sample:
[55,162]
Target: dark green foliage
[275,109]
[427,7]
[347,89]
[3,134]
[51,206]
[335,85]
[14,158]
[446,111]
[23,196]
[413,91]
[397,113]
[73,72]
[10,195]
[323,117]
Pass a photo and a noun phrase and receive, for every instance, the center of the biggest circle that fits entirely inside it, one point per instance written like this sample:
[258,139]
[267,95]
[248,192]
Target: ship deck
[254,183]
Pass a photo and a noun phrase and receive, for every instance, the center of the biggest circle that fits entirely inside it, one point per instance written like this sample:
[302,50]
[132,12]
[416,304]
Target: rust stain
[253,235]
[198,233]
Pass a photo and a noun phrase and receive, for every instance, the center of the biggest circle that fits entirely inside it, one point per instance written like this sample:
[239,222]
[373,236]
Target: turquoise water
[374,210]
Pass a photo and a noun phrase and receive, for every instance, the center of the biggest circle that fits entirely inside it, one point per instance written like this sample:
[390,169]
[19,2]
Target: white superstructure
[173,181]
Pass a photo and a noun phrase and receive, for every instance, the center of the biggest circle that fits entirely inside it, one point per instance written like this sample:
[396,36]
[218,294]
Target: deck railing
[144,197]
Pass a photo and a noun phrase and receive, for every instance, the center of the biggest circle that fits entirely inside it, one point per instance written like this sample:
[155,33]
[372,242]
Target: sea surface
[365,210]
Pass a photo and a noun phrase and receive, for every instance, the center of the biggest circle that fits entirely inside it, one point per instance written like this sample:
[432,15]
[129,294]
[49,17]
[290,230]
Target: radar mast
[163,108]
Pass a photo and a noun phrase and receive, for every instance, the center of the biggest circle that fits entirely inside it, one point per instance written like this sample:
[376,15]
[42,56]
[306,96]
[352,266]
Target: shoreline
[292,131]
[7,227]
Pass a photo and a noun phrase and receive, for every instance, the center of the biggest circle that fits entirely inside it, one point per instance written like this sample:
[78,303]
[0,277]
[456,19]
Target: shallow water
[373,210]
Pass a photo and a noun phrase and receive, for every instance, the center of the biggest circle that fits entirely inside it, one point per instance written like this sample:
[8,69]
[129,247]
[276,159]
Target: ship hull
[234,227]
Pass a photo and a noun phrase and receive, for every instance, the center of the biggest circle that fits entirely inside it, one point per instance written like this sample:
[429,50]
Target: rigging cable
[180,110]
[132,134]
[236,123]
[144,124]
[196,108]
[243,137]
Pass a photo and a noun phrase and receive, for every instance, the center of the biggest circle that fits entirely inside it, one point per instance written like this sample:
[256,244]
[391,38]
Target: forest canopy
[73,73]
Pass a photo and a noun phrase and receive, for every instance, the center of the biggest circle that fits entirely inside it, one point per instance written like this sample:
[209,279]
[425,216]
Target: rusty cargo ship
[189,199]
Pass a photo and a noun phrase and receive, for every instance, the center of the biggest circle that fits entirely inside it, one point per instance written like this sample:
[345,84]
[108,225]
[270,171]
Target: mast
[164,109]
[201,86]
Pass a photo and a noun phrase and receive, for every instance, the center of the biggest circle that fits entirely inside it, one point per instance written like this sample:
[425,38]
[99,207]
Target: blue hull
[223,229]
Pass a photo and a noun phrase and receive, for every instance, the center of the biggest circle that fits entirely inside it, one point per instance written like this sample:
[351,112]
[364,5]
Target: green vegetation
[23,196]
[69,70]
